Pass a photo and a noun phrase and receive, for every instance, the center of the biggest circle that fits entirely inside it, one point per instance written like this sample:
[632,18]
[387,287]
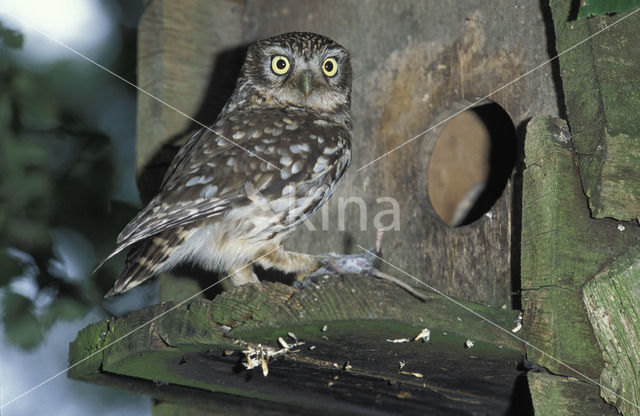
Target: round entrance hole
[470,163]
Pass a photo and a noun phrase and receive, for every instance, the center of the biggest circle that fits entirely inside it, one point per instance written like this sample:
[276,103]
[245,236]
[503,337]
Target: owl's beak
[306,83]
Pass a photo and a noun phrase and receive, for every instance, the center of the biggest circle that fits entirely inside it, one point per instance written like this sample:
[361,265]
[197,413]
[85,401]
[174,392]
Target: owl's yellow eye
[280,65]
[330,67]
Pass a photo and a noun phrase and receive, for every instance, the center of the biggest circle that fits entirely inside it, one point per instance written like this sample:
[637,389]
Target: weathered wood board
[351,369]
[601,80]
[562,249]
[559,396]
[612,300]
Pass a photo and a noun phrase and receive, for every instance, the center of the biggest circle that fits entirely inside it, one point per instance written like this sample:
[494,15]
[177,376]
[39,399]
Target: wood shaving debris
[258,355]
[283,343]
[398,340]
[311,348]
[416,375]
[424,335]
[401,364]
[347,366]
[292,336]
[469,344]
[518,326]
[324,328]
[403,395]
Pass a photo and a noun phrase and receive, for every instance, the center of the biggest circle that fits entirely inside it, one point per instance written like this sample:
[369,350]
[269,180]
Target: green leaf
[21,326]
[11,38]
[602,7]
[9,268]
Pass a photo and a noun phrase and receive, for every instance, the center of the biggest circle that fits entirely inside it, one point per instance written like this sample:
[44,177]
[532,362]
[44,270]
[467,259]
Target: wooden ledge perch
[192,355]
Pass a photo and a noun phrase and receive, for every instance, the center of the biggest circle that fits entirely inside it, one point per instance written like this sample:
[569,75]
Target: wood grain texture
[181,44]
[558,396]
[600,80]
[412,62]
[562,249]
[611,299]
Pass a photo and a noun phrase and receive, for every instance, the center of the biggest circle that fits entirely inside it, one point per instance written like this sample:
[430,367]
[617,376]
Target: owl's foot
[243,276]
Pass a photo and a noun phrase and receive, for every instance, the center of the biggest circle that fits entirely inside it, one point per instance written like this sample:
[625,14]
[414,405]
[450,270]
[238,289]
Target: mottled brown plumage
[235,192]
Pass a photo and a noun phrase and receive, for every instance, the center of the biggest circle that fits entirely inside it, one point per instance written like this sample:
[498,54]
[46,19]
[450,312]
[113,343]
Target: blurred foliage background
[66,177]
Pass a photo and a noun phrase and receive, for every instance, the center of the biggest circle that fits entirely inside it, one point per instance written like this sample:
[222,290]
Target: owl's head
[299,69]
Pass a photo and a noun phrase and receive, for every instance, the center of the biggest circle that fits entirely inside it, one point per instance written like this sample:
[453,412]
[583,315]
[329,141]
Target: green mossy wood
[601,84]
[558,396]
[352,369]
[612,299]
[562,249]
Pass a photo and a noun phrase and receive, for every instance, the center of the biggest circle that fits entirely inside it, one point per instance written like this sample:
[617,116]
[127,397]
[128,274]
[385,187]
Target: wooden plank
[562,249]
[558,396]
[185,348]
[187,59]
[600,80]
[611,299]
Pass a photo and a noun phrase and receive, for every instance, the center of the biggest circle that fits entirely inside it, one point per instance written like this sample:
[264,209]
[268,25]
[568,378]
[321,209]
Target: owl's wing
[210,175]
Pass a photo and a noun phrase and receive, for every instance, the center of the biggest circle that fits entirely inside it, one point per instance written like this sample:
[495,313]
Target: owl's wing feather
[209,174]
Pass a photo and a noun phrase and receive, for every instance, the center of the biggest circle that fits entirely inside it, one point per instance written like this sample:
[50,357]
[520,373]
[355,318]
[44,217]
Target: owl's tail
[148,257]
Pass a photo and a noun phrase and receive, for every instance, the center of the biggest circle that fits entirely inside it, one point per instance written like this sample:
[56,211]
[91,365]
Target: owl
[235,191]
